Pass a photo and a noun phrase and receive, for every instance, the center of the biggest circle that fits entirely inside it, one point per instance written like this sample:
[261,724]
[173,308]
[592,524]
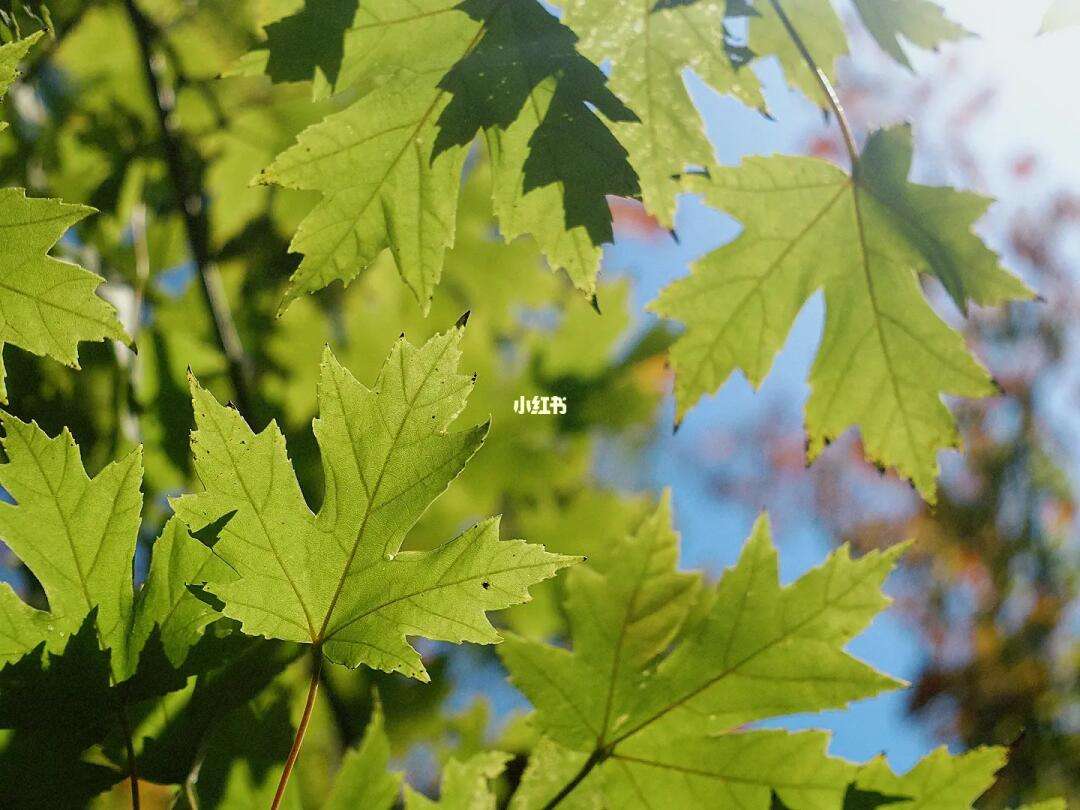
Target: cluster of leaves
[192,681]
[422,80]
[990,585]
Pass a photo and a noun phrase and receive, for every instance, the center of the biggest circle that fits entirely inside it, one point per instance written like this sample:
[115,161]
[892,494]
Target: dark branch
[187,186]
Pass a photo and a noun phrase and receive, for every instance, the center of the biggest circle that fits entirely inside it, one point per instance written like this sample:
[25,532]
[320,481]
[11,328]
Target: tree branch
[189,200]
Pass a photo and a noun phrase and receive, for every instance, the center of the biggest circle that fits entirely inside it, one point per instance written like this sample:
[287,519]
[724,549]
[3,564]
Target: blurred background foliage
[990,588]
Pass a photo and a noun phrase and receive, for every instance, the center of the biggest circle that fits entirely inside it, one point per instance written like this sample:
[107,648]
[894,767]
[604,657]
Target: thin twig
[189,200]
[824,83]
[298,740]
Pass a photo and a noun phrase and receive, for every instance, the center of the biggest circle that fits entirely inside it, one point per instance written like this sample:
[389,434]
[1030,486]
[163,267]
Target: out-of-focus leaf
[920,22]
[365,779]
[1061,14]
[821,31]
[464,785]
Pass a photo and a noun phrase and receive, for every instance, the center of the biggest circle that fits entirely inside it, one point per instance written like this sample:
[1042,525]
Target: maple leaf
[364,778]
[100,644]
[554,160]
[821,32]
[77,535]
[886,358]
[939,781]
[464,784]
[649,46]
[920,22]
[646,709]
[47,306]
[389,165]
[382,188]
[336,578]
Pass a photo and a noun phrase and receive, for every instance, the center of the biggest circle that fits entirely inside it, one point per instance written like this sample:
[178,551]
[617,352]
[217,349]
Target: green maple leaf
[663,673]
[554,160]
[337,579]
[365,779]
[939,781]
[1061,14]
[77,535]
[47,306]
[649,45]
[886,358]
[920,22]
[389,166]
[100,644]
[464,784]
[382,188]
[340,45]
[821,31]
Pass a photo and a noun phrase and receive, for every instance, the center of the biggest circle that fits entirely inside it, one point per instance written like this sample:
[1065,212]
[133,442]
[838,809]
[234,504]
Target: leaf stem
[823,82]
[192,207]
[595,758]
[133,776]
[305,719]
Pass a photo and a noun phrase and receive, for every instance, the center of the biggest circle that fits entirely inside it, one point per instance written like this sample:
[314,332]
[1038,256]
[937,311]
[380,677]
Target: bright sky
[1036,76]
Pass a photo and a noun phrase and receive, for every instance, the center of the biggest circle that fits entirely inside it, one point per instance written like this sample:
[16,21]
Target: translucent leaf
[337,578]
[920,22]
[649,47]
[77,535]
[886,358]
[464,784]
[648,707]
[389,165]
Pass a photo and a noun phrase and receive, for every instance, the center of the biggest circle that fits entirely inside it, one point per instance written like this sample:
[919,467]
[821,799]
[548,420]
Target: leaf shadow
[527,63]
